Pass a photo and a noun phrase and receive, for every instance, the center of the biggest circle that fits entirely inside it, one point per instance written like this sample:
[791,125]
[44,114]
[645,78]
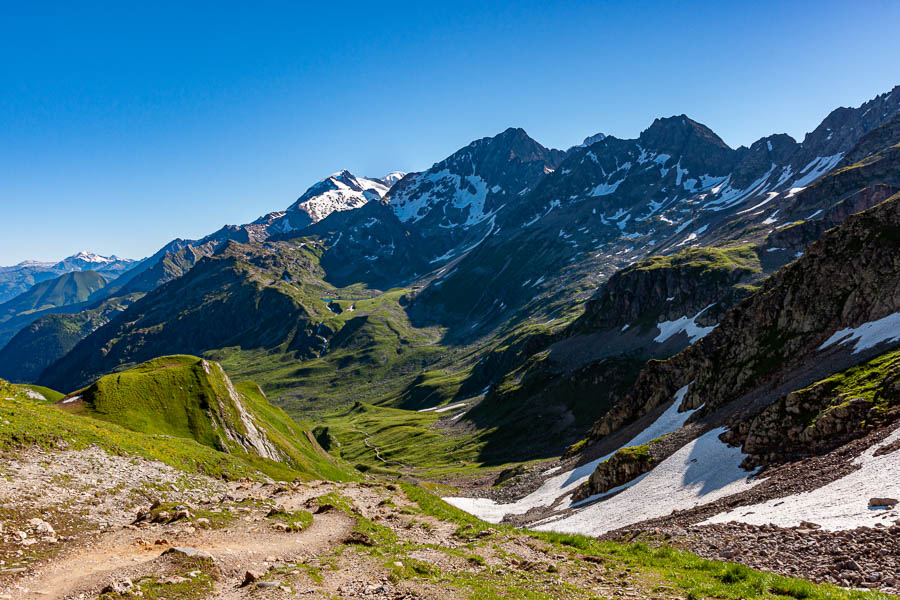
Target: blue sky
[124,125]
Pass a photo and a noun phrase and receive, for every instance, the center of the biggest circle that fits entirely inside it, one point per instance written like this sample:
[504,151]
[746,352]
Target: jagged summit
[672,133]
[473,182]
[592,139]
[339,191]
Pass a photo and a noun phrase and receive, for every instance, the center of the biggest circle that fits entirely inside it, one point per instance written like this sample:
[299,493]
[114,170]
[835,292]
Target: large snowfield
[842,504]
[566,483]
[701,472]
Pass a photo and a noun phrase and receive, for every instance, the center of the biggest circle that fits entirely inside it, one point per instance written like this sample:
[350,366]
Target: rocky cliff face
[848,278]
[664,288]
[779,371]
[823,416]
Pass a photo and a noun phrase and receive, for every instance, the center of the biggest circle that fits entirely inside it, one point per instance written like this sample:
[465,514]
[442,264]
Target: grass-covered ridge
[191,399]
[705,259]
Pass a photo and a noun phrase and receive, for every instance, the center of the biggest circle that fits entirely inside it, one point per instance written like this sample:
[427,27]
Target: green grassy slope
[193,399]
[389,440]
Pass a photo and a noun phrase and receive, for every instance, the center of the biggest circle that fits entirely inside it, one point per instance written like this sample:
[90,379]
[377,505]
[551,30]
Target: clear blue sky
[125,124]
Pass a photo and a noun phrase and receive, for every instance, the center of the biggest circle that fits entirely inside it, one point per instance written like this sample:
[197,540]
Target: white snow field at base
[702,471]
[868,335]
[565,483]
[842,504]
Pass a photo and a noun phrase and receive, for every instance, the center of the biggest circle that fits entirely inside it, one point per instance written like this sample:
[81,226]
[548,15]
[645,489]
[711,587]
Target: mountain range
[658,338]
[20,278]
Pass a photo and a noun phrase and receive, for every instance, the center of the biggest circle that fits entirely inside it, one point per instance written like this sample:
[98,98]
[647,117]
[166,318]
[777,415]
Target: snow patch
[839,505]
[702,471]
[686,324]
[565,483]
[868,335]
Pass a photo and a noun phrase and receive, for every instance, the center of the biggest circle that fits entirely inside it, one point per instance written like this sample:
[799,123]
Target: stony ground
[82,524]
[85,525]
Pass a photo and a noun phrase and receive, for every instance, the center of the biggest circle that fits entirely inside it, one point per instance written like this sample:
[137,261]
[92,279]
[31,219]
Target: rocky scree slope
[754,367]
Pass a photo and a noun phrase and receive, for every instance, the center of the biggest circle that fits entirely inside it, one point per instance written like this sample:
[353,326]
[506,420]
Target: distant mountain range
[20,278]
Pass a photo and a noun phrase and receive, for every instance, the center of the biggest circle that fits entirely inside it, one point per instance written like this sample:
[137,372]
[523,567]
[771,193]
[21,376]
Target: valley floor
[85,524]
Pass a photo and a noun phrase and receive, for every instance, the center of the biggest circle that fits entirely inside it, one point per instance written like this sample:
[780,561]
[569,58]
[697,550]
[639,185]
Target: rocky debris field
[83,525]
[864,557]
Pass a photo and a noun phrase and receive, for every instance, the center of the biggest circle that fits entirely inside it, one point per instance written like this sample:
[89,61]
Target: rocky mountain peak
[339,191]
[844,126]
[472,183]
[593,139]
[674,133]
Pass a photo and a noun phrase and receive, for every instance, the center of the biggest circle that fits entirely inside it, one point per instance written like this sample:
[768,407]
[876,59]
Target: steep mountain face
[468,187]
[50,337]
[456,200]
[563,381]
[783,337]
[616,201]
[370,245]
[797,386]
[247,295]
[18,279]
[802,367]
[71,288]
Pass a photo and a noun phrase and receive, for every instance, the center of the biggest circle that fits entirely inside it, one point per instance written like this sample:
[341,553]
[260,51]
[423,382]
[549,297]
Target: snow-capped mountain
[85,260]
[393,177]
[470,186]
[592,139]
[337,192]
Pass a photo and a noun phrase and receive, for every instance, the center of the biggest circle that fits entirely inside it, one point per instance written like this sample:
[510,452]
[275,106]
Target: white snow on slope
[440,409]
[393,177]
[565,483]
[461,192]
[89,257]
[868,335]
[702,471]
[842,504]
[686,324]
[817,167]
[337,192]
[605,189]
